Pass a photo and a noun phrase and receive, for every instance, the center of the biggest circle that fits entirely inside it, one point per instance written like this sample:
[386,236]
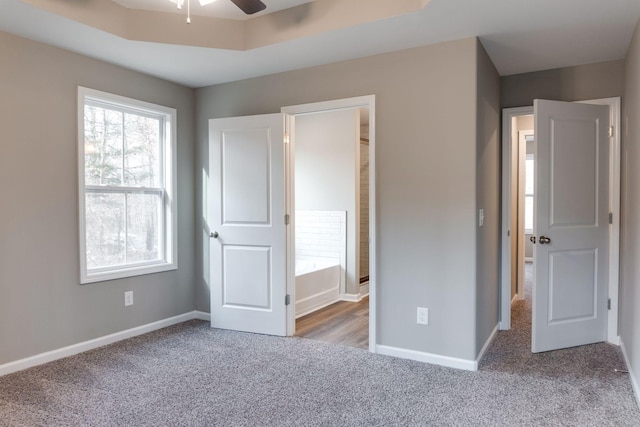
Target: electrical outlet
[423,316]
[128,298]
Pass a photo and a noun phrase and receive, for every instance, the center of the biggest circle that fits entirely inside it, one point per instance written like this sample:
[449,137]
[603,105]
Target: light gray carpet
[191,375]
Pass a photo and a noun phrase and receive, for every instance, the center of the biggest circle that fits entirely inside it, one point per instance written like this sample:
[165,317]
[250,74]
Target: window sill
[122,273]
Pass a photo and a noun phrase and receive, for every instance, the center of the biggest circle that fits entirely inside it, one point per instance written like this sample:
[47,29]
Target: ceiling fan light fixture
[247,6]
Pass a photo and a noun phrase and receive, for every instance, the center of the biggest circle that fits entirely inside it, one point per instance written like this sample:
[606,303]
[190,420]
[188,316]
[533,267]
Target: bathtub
[317,284]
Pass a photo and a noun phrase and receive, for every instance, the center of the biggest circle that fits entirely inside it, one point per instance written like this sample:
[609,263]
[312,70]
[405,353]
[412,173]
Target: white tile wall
[321,234]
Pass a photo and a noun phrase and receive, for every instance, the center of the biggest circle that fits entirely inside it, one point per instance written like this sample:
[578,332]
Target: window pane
[102,146]
[126,151]
[528,212]
[143,215]
[142,156]
[529,182]
[105,229]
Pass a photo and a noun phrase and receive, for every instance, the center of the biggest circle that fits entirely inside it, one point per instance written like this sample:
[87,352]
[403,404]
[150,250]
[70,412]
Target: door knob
[544,240]
[533,239]
[214,234]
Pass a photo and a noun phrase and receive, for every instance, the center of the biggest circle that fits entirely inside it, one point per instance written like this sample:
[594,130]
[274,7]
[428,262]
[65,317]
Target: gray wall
[426,114]
[630,222]
[488,197]
[593,81]
[42,305]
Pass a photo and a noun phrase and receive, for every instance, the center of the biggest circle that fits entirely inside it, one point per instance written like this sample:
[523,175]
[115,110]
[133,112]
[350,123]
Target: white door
[571,223]
[246,218]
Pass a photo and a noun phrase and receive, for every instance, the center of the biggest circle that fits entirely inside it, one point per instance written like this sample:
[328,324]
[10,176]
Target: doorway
[331,198]
[512,257]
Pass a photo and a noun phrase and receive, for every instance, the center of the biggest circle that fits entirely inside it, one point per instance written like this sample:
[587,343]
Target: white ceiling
[519,35]
[218,9]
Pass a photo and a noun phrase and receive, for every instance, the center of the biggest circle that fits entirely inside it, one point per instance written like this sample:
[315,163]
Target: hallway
[511,352]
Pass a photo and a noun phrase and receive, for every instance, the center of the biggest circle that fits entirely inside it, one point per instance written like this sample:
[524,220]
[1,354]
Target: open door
[247,224]
[572,225]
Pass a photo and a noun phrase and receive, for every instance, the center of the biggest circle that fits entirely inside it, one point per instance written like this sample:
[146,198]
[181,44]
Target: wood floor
[344,323]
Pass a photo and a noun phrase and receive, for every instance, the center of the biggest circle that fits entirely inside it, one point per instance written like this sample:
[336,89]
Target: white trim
[201,315]
[434,359]
[350,297]
[363,290]
[290,209]
[515,298]
[353,297]
[368,101]
[528,258]
[486,346]
[317,301]
[50,356]
[634,382]
[505,288]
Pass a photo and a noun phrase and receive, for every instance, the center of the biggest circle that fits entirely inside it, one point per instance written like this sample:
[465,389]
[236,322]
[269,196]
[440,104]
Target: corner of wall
[487,199]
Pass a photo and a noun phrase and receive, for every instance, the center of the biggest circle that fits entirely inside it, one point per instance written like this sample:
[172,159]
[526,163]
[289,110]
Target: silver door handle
[214,234]
[544,240]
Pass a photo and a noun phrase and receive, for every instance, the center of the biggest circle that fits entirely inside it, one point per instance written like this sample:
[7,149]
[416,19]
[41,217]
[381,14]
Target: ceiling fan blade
[250,6]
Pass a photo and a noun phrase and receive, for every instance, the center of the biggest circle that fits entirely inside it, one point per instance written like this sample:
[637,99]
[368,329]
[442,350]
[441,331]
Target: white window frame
[169,228]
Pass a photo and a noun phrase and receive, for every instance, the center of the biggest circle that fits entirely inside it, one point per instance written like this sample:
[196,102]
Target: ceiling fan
[247,6]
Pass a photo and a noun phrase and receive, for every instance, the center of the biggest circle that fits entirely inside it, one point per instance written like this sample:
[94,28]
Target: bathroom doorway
[330,173]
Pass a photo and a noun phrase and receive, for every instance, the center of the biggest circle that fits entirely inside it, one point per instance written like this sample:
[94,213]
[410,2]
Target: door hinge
[610,131]
[286,219]
[610,217]
[287,299]
[608,304]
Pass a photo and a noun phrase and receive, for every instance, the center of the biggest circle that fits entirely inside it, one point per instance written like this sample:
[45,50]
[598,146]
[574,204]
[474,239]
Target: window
[528,194]
[127,187]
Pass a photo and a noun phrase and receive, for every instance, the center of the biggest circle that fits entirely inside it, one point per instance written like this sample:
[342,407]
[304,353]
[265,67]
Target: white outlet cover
[423,316]
[128,298]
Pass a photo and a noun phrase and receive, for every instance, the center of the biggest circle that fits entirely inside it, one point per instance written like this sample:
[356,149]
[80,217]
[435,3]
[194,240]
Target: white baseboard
[350,297]
[317,301]
[435,359]
[486,346]
[201,315]
[355,297]
[635,383]
[50,356]
[364,289]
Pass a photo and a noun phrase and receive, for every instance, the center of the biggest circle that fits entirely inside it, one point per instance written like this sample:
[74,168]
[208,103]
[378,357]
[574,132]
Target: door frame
[614,207]
[290,113]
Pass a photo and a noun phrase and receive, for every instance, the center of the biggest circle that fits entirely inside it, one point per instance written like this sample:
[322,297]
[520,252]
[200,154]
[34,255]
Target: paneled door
[571,224]
[246,219]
